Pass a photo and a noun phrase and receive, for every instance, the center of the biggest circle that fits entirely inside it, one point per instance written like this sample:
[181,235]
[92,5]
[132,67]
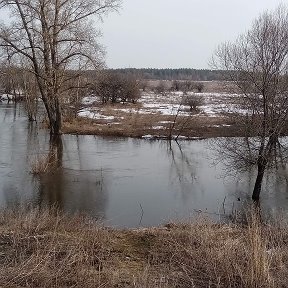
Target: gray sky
[175,33]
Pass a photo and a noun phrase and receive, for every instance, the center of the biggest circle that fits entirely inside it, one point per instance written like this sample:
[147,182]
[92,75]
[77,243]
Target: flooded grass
[48,249]
[42,163]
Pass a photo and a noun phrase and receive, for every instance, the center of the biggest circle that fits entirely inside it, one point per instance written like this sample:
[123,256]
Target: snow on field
[215,109]
[6,97]
[89,100]
[175,137]
[209,110]
[164,109]
[169,105]
[94,115]
[157,127]
[133,111]
[165,122]
[167,109]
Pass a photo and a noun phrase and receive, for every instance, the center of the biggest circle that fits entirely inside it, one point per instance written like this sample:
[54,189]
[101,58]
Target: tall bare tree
[258,64]
[55,36]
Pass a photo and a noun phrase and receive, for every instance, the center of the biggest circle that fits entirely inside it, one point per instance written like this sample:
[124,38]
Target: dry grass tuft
[44,249]
[40,164]
[43,163]
[48,249]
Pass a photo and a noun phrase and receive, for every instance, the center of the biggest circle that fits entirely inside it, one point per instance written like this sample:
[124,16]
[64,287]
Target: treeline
[173,74]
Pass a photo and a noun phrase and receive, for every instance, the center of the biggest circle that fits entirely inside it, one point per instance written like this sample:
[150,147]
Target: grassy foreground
[47,249]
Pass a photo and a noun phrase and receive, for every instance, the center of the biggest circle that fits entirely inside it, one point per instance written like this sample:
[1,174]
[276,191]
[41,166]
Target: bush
[176,86]
[194,102]
[198,86]
[115,88]
[161,88]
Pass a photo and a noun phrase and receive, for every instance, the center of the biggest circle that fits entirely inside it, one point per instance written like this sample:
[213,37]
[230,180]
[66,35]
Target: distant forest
[173,74]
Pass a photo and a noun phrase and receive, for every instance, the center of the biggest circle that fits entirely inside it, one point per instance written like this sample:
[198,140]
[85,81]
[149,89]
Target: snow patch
[89,100]
[148,136]
[94,115]
[157,127]
[6,97]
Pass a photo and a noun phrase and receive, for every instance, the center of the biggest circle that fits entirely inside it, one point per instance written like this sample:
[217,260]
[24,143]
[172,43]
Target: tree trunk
[56,150]
[260,175]
[264,155]
[53,110]
[55,120]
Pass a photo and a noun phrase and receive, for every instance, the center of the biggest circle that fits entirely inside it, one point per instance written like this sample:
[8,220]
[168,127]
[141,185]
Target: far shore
[147,127]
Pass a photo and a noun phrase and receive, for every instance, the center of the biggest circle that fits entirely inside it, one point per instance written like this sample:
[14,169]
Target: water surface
[124,182]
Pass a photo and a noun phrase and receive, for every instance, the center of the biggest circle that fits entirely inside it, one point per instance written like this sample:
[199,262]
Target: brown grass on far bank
[138,125]
[48,249]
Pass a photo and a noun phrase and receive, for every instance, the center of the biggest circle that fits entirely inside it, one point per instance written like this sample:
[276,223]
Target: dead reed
[43,163]
[44,248]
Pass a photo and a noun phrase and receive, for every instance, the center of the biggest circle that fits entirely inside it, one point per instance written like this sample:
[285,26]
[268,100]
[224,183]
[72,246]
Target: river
[125,182]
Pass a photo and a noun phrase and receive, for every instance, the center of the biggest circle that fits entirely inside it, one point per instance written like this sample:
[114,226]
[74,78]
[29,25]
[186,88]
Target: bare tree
[161,88]
[193,101]
[258,64]
[143,84]
[187,86]
[30,92]
[114,87]
[176,85]
[54,36]
[11,79]
[130,91]
[198,86]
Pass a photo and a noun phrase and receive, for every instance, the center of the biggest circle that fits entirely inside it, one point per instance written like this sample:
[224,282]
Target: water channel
[125,182]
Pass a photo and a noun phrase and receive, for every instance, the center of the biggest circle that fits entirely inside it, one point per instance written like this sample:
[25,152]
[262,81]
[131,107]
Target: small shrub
[115,88]
[198,86]
[161,88]
[194,102]
[176,86]
[42,164]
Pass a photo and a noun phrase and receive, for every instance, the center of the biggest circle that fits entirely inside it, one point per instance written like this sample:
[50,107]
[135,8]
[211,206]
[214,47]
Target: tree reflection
[56,150]
[72,190]
[241,155]
[181,166]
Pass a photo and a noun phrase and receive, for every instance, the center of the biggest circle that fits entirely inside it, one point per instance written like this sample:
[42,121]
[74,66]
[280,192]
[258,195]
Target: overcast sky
[175,33]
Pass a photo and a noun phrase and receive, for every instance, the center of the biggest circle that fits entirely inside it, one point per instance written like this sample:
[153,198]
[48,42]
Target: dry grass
[42,163]
[47,249]
[130,123]
[137,125]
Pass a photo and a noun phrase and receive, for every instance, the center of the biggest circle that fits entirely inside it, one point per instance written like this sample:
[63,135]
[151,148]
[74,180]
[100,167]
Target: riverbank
[48,249]
[161,116]
[155,126]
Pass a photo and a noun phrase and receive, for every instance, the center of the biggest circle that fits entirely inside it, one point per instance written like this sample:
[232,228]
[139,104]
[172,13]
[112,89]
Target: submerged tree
[55,36]
[258,64]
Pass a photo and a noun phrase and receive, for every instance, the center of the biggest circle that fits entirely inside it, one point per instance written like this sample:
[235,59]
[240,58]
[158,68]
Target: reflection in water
[182,168]
[263,155]
[239,157]
[124,182]
[71,190]
[74,191]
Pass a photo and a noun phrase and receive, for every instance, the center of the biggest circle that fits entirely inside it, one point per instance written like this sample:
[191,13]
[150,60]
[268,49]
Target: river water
[125,182]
